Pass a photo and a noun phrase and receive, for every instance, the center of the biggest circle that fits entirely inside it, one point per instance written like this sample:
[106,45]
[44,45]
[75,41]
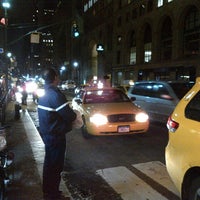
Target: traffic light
[75,30]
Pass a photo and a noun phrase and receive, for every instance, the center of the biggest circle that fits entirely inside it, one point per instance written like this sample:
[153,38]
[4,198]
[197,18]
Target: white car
[158,98]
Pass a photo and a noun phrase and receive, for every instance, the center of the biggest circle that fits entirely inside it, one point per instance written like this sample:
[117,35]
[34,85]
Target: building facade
[140,40]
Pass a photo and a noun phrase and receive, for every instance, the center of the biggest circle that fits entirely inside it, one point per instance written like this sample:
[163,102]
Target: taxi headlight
[98,119]
[141,117]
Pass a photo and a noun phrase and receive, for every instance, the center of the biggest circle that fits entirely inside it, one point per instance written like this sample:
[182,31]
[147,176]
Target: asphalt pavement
[26,144]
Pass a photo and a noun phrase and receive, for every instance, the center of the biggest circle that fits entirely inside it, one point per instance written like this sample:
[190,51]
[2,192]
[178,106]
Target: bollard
[17,110]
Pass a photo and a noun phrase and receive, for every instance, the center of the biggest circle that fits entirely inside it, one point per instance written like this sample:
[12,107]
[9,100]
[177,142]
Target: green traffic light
[76,34]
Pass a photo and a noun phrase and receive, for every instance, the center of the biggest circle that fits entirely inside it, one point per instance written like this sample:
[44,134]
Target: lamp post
[6,6]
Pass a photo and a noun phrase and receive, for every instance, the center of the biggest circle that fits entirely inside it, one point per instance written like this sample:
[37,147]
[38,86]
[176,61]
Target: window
[150,90]
[133,48]
[160,3]
[150,5]
[166,40]
[145,89]
[147,52]
[118,57]
[192,110]
[147,44]
[133,55]
[192,32]
[119,39]
[142,9]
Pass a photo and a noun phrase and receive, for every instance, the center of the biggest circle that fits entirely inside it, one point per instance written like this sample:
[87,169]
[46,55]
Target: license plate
[123,129]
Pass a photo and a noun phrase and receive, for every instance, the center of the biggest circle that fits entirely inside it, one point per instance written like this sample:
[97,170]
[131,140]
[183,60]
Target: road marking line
[157,171]
[128,185]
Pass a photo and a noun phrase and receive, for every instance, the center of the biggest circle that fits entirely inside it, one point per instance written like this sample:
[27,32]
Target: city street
[149,49]
[117,167]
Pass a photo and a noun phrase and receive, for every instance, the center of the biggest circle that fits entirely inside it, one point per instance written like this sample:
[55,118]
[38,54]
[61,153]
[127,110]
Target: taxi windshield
[105,96]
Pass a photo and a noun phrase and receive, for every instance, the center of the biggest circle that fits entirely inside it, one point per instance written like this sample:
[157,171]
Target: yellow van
[182,152]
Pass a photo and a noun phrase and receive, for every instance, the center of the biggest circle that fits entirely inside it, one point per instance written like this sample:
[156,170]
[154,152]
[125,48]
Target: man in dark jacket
[55,119]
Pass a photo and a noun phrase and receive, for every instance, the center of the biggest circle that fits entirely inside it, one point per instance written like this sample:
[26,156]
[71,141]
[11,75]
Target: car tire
[194,192]
[85,133]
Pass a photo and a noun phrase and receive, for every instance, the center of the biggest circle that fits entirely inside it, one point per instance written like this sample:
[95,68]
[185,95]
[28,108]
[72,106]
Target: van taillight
[172,125]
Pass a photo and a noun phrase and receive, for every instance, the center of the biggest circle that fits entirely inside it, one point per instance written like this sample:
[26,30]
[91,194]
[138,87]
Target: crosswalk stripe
[128,185]
[157,171]
[131,185]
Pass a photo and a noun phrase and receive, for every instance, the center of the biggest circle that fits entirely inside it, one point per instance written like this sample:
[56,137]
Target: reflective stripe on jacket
[55,115]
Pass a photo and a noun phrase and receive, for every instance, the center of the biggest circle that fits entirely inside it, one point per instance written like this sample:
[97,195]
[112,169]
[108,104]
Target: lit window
[90,3]
[133,55]
[147,52]
[170,0]
[85,7]
[160,3]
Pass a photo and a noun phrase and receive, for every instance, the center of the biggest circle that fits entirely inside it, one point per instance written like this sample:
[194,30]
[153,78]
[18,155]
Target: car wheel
[194,192]
[84,130]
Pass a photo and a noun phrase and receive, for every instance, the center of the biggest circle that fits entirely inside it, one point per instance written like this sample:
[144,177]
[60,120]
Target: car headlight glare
[40,92]
[98,119]
[141,117]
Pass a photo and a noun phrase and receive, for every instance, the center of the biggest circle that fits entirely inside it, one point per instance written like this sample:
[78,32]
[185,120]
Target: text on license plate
[123,129]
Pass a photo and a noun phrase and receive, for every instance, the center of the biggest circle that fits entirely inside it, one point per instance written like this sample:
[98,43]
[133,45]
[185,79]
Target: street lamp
[76,68]
[6,6]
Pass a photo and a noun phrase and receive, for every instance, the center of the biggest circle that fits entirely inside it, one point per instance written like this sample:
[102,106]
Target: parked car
[182,151]
[109,111]
[158,98]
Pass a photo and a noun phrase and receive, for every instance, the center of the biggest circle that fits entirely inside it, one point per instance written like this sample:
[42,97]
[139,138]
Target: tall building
[42,48]
[54,26]
[141,39]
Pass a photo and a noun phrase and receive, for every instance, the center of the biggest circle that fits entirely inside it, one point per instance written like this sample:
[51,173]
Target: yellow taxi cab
[182,153]
[109,111]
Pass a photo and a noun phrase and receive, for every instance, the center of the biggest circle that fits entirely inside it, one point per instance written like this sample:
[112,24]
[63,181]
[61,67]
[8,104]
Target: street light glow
[75,64]
[6,4]
[63,68]
[9,54]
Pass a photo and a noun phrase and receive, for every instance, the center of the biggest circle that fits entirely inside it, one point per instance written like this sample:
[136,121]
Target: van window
[150,90]
[159,90]
[181,89]
[142,89]
[192,110]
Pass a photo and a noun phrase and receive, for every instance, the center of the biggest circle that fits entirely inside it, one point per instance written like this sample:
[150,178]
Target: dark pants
[52,168]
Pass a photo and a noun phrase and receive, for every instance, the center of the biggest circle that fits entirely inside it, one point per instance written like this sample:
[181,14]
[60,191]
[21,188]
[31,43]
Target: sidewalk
[24,140]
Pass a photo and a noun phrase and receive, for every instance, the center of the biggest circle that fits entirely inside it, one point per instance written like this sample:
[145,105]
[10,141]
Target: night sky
[20,24]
